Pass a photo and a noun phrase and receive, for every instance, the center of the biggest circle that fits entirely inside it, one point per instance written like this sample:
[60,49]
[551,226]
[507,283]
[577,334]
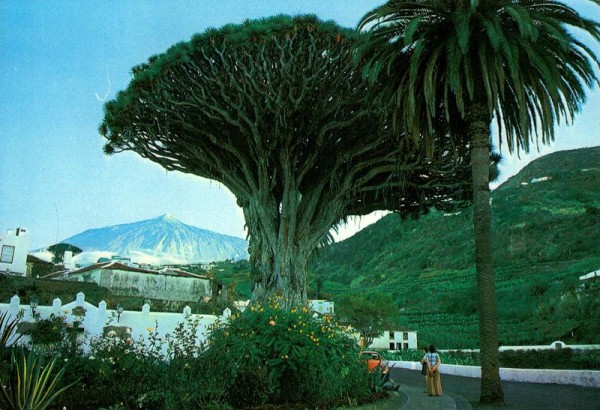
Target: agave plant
[31,386]
[380,379]
[8,330]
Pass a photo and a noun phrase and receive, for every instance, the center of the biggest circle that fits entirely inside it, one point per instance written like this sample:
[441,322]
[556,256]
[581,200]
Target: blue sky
[59,62]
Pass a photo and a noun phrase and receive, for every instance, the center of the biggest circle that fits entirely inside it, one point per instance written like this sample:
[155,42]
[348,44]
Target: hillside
[162,240]
[546,221]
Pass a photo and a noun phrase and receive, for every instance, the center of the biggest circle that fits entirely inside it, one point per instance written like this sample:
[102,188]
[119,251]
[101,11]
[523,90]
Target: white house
[13,252]
[168,284]
[395,340]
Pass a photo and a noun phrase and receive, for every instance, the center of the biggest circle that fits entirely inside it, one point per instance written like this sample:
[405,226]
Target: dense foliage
[265,356]
[544,235]
[32,384]
[50,330]
[473,62]
[276,111]
[370,313]
[289,357]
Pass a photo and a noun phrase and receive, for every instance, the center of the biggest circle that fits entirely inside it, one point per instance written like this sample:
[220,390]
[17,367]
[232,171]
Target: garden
[265,357]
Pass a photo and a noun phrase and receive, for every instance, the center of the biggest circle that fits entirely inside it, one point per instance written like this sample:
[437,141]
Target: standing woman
[434,384]
[425,367]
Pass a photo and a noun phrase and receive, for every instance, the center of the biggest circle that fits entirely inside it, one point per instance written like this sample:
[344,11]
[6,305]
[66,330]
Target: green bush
[551,359]
[118,370]
[252,387]
[308,360]
[51,330]
[263,357]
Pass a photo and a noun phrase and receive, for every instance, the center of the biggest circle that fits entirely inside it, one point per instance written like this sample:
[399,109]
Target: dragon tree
[276,111]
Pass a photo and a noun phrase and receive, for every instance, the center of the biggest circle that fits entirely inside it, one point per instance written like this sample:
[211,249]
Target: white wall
[151,285]
[585,378]
[552,346]
[20,240]
[97,317]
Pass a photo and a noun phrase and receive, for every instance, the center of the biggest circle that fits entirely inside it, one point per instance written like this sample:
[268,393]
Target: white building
[324,307]
[13,252]
[395,340]
[168,284]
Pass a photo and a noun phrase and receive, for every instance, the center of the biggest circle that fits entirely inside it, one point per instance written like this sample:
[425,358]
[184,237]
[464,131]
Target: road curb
[583,378]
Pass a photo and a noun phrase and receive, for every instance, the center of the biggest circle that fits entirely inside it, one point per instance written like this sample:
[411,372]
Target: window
[8,253]
[391,335]
[392,346]
[405,336]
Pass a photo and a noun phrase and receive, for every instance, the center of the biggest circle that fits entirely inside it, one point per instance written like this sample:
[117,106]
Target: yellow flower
[149,329]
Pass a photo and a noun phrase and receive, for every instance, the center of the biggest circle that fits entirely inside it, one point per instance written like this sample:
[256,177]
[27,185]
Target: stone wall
[152,286]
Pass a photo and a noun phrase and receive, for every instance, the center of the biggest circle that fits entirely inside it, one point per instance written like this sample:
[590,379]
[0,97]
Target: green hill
[546,224]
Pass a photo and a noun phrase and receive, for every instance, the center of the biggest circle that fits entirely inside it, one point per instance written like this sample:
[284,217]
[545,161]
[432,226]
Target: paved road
[462,393]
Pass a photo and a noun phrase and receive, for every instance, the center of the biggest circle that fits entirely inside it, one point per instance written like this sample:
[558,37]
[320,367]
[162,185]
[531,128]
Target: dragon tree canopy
[277,111]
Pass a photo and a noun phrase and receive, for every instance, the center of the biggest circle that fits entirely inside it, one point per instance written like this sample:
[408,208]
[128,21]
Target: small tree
[370,313]
[58,251]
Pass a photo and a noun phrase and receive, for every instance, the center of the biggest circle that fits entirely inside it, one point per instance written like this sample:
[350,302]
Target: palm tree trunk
[479,136]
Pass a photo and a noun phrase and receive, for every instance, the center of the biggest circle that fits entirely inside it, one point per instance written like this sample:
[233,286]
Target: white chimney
[68,260]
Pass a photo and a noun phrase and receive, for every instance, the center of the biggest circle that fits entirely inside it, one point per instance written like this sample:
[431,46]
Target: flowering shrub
[51,330]
[263,357]
[152,372]
[306,359]
[114,372]
[183,342]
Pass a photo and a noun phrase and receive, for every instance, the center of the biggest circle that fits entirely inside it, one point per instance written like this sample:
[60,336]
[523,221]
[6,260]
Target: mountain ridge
[161,240]
[544,221]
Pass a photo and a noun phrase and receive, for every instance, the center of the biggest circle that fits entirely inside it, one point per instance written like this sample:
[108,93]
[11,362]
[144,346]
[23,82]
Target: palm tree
[473,61]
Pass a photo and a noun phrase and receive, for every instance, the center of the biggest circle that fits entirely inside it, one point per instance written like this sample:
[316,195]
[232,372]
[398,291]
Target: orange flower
[271,322]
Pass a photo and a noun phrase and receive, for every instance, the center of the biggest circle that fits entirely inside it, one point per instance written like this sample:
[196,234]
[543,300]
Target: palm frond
[525,61]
